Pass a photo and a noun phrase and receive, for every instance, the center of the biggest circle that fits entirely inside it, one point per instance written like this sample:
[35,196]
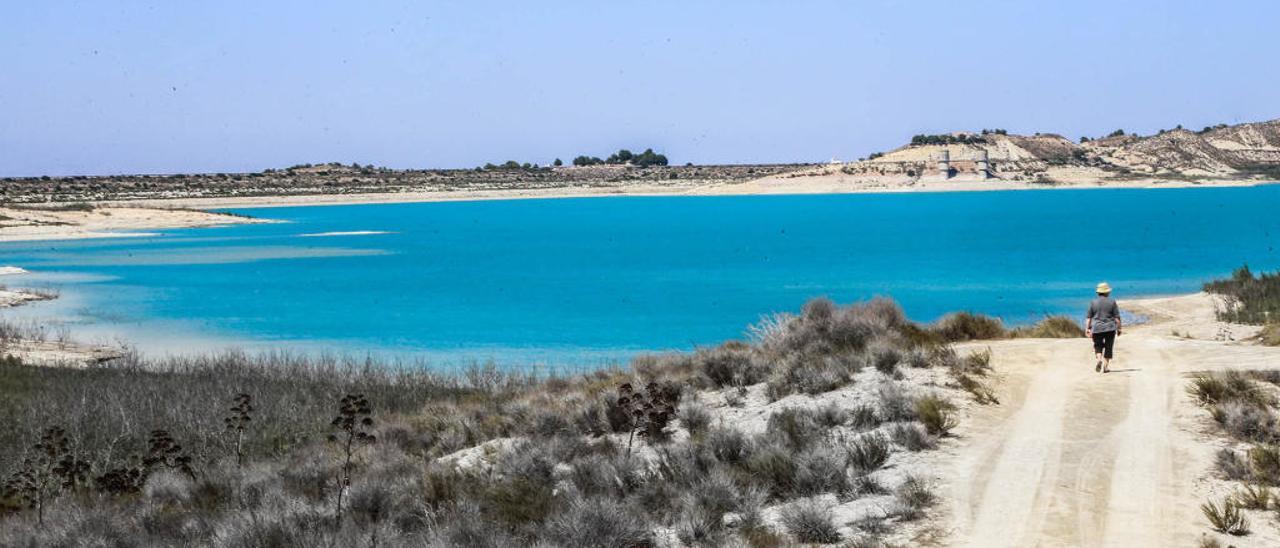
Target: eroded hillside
[1241,152]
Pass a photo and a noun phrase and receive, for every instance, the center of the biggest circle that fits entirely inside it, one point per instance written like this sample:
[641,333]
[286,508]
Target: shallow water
[586,281]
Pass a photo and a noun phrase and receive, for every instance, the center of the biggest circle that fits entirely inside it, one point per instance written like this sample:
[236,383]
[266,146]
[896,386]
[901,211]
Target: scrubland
[815,430]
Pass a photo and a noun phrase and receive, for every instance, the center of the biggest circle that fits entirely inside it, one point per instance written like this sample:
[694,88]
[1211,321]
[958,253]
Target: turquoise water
[599,279]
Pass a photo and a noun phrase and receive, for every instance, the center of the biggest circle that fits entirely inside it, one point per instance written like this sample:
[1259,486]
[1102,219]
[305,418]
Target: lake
[593,280]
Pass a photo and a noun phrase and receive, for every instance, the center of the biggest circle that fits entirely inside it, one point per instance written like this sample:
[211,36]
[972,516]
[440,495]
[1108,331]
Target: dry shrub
[731,364]
[728,445]
[1264,463]
[813,374]
[810,521]
[1252,497]
[867,453]
[895,405]
[1247,421]
[937,414]
[599,523]
[967,326]
[864,417]
[774,466]
[982,394]
[797,427]
[694,416]
[912,436]
[1052,327]
[819,470]
[1232,465]
[1220,387]
[914,495]
[1270,335]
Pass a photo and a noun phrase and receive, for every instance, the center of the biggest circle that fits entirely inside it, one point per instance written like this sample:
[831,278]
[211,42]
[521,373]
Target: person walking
[1102,323]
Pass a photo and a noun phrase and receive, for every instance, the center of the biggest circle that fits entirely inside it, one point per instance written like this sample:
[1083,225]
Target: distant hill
[988,159]
[1241,151]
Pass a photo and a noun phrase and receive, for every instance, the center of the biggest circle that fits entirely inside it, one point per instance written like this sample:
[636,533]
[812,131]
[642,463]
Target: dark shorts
[1104,343]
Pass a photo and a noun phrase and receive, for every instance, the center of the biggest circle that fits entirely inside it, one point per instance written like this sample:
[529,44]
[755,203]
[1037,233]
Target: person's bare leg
[1097,366]
[1106,365]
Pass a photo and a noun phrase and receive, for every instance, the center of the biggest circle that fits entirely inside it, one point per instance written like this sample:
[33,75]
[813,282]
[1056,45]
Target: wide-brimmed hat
[1104,288]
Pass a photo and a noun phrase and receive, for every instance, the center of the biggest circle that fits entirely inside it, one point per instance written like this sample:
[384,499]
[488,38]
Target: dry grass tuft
[867,453]
[811,522]
[1253,497]
[1226,517]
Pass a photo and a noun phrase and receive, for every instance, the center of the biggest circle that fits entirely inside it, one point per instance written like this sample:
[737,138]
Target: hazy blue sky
[168,86]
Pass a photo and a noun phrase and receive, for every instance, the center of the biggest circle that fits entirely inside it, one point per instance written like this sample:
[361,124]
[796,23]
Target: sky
[230,86]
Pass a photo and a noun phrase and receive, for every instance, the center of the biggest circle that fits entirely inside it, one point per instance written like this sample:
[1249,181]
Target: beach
[18,224]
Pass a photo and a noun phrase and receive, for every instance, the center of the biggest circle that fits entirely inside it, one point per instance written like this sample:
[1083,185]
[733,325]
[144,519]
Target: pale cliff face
[1222,152]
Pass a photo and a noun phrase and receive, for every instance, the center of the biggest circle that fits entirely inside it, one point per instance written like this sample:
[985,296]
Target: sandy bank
[30,224]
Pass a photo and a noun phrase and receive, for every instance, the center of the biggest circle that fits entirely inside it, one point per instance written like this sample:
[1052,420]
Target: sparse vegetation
[1245,409]
[482,458]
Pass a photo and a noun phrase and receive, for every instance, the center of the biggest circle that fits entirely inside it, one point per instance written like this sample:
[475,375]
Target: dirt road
[1077,458]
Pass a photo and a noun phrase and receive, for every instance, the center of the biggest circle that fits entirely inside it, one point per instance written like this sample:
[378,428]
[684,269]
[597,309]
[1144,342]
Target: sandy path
[1076,458]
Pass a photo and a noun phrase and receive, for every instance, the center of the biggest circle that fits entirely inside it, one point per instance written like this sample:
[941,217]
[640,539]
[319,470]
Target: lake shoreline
[135,218]
[805,186]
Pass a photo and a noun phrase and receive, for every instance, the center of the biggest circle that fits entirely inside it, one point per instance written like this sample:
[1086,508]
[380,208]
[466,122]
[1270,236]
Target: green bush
[1250,299]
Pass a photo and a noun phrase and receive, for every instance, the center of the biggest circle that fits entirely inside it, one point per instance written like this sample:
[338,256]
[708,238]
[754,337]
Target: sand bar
[34,224]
